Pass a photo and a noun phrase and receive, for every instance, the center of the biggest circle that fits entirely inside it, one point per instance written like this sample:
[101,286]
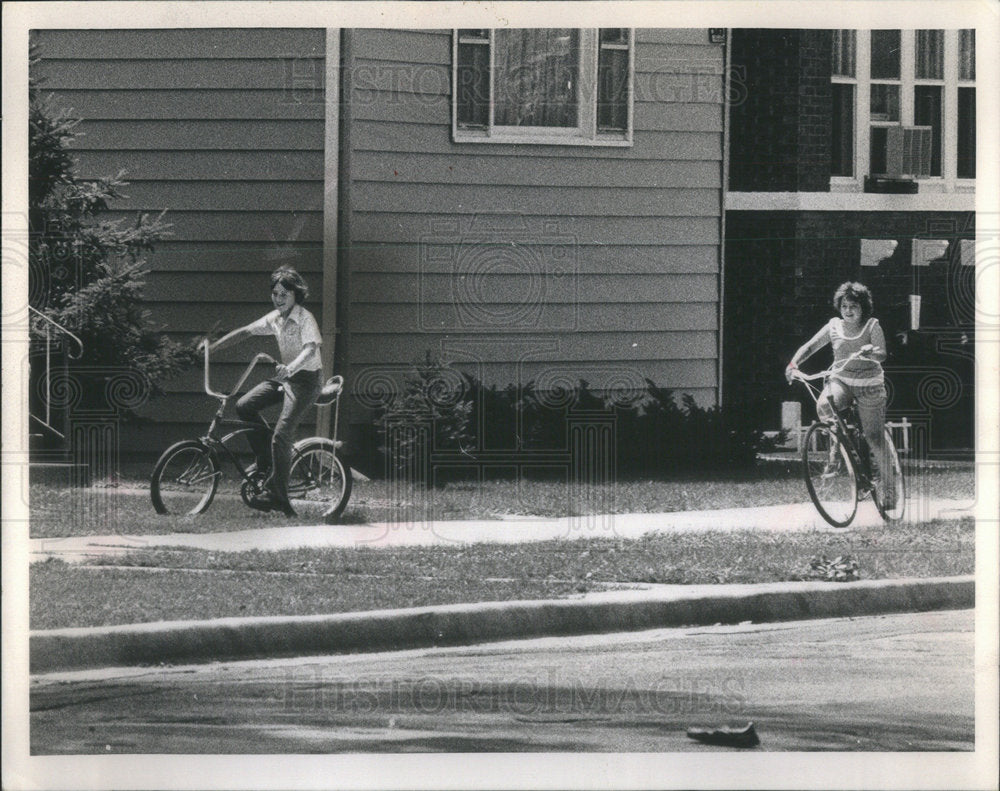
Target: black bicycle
[186,477]
[837,462]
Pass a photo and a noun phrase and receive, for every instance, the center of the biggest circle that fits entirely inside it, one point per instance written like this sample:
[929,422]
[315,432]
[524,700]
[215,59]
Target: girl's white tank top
[856,372]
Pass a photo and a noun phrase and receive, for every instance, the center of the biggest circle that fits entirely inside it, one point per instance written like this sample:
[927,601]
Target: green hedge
[654,434]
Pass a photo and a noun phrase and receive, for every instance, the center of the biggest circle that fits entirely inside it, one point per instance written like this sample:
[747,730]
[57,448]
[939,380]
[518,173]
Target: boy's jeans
[300,392]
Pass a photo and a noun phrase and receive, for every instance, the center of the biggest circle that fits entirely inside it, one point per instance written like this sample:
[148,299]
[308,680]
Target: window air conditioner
[903,155]
[908,151]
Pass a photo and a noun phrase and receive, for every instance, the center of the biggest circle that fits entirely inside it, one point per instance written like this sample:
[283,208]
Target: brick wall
[759,324]
[780,133]
[815,112]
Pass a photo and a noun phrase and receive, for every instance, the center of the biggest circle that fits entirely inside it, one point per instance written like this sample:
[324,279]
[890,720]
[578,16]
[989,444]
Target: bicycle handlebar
[261,357]
[837,366]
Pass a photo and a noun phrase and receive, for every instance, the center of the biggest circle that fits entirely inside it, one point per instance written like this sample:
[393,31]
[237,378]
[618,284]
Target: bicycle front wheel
[319,483]
[830,476]
[184,479]
[889,493]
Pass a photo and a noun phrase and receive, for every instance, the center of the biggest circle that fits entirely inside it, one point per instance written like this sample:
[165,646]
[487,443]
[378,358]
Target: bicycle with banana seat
[187,475]
[837,461]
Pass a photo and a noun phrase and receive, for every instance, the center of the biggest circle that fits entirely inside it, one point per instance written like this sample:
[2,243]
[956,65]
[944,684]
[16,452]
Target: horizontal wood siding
[453,244]
[223,128]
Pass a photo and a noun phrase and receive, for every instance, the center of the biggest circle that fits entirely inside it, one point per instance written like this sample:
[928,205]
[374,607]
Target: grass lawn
[179,584]
[125,509]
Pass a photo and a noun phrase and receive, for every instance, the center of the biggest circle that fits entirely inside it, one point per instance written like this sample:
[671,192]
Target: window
[967,104]
[928,89]
[882,80]
[883,109]
[844,88]
[543,85]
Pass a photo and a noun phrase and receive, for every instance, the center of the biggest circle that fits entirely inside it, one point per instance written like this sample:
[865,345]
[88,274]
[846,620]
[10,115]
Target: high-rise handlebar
[261,357]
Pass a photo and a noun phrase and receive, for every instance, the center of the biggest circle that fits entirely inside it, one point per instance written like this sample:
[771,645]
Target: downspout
[726,93]
[343,165]
[331,213]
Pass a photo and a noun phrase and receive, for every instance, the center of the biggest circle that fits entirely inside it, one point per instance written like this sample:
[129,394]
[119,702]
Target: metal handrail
[49,322]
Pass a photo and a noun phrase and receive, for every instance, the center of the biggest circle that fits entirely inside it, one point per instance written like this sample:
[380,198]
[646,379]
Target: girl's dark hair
[856,292]
[292,281]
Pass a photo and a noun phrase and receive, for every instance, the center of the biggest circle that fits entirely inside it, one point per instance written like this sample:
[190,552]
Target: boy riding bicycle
[854,332]
[296,383]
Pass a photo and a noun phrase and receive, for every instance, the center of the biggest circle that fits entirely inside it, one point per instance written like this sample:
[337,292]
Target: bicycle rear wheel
[891,500]
[184,479]
[319,483]
[830,476]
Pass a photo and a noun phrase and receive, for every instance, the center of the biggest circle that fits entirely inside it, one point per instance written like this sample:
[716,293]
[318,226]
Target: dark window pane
[842,133]
[612,90]
[885,54]
[929,55]
[967,54]
[476,33]
[536,77]
[473,88]
[877,160]
[927,112]
[844,43]
[966,133]
[884,104]
[614,35]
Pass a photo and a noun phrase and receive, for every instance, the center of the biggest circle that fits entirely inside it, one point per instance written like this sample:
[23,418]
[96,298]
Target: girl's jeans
[871,408]
[300,392]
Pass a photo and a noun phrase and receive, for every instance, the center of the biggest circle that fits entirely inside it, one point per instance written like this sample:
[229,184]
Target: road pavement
[883,683]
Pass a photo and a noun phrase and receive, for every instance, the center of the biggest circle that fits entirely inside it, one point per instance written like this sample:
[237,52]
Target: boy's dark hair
[856,292]
[291,281]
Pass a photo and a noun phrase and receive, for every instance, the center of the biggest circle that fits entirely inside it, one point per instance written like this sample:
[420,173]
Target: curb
[461,624]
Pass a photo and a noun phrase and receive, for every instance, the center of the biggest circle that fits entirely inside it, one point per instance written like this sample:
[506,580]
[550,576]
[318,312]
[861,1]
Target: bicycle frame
[854,447]
[213,439]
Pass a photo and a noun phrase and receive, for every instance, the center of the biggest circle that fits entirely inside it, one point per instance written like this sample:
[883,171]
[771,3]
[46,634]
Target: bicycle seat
[330,391]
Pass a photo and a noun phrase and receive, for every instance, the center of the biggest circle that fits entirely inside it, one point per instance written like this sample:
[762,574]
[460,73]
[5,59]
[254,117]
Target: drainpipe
[726,80]
[331,212]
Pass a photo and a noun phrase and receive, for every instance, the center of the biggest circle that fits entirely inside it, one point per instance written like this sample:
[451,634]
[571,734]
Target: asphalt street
[882,683]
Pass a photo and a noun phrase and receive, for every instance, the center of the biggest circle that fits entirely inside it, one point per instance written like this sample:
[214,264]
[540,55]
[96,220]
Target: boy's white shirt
[290,348]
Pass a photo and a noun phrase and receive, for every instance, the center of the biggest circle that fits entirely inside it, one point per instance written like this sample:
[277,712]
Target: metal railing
[48,328]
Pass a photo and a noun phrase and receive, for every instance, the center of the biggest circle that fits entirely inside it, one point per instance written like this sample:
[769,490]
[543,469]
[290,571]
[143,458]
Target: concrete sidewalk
[798,516]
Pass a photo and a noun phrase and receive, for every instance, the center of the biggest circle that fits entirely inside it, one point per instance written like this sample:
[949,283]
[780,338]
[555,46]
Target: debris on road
[745,736]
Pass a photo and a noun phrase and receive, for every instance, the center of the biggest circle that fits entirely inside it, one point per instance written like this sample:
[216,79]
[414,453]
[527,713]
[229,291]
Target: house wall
[780,126]
[520,262]
[532,262]
[225,130]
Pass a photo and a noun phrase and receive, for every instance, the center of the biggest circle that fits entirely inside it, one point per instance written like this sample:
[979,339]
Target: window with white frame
[543,85]
[886,82]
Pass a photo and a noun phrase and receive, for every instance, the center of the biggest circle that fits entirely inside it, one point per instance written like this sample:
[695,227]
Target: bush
[653,435]
[432,407]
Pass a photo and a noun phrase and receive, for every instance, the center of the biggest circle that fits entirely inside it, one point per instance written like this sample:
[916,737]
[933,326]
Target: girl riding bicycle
[296,383]
[860,380]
